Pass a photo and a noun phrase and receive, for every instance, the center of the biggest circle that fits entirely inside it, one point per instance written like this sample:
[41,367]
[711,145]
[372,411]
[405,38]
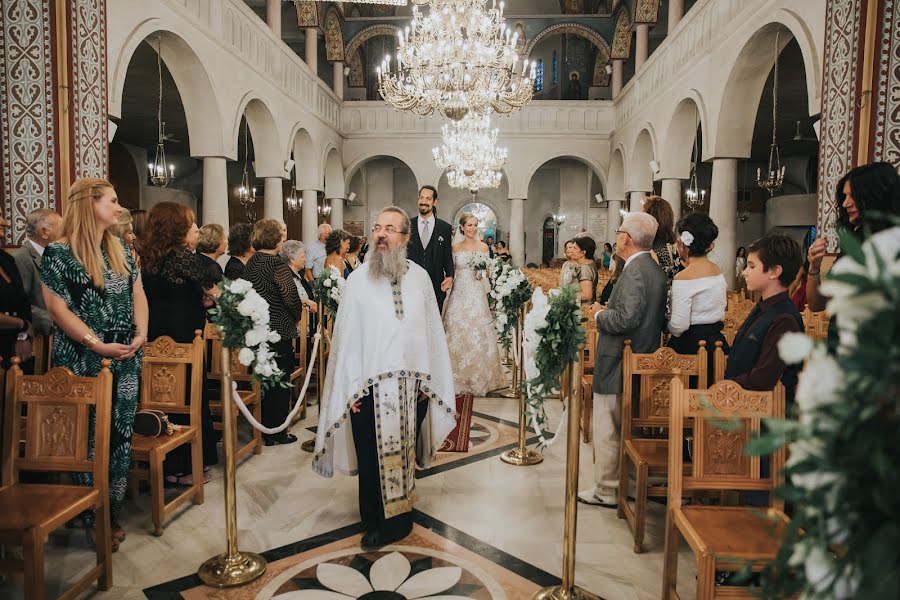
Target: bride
[470,331]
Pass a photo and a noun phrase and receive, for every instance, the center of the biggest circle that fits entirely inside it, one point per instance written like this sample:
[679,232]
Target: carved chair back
[733,319]
[57,408]
[815,324]
[214,368]
[172,376]
[649,406]
[302,344]
[723,417]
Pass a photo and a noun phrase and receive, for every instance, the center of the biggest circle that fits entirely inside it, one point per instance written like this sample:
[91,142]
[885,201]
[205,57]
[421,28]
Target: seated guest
[293,253]
[15,309]
[179,287]
[42,227]
[635,312]
[211,246]
[240,250]
[336,246]
[580,269]
[502,252]
[753,362]
[699,291]
[274,281]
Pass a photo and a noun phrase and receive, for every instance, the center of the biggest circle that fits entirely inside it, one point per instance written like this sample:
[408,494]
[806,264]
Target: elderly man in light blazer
[636,311]
[41,227]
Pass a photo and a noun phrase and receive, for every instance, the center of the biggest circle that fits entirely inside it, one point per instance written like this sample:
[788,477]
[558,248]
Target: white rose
[246,307]
[255,337]
[245,356]
[273,337]
[818,567]
[264,369]
[806,449]
[239,286]
[263,354]
[794,347]
[820,383]
[327,282]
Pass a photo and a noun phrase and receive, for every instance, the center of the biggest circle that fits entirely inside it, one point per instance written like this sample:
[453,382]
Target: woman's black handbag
[152,423]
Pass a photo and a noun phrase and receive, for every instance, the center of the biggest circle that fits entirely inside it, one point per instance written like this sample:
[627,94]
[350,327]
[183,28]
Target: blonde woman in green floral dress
[93,292]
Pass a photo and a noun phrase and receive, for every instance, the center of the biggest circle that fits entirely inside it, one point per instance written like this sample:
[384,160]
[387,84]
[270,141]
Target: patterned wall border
[334,36]
[568,28]
[621,46]
[367,34]
[840,90]
[88,95]
[886,125]
[27,112]
[646,11]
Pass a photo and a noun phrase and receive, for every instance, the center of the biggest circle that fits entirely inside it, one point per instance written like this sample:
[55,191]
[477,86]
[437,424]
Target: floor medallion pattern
[435,562]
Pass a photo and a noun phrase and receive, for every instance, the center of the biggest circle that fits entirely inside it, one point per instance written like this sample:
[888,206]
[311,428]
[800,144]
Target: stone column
[642,46]
[723,212]
[613,219]
[338,83]
[312,49]
[337,213]
[517,231]
[671,191]
[617,78]
[636,201]
[273,199]
[215,192]
[273,16]
[310,217]
[676,11]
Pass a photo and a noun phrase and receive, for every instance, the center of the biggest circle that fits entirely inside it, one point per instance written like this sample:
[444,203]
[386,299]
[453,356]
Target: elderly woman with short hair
[293,253]
[210,246]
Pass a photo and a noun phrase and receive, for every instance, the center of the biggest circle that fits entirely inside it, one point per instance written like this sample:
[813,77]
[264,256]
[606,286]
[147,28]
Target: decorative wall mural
[27,113]
[646,11]
[621,46]
[357,74]
[601,77]
[568,29]
[307,14]
[367,34]
[334,37]
[90,145]
[886,143]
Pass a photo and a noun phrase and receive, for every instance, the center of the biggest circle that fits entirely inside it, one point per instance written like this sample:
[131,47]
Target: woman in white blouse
[698,291]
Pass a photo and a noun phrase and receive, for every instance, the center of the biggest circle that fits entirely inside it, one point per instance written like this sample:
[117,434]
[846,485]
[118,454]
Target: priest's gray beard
[387,263]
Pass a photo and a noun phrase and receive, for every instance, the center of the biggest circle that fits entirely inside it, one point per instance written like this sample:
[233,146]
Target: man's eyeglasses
[622,231]
[387,229]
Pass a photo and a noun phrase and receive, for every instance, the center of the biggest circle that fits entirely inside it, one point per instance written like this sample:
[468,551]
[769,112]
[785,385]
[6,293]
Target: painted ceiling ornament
[646,11]
[334,37]
[601,76]
[621,47]
[458,58]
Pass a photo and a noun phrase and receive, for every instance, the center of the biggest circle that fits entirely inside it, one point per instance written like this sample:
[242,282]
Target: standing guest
[430,244]
[580,269]
[754,362]
[388,345]
[336,247]
[503,252]
[617,264]
[315,253]
[179,289]
[867,198]
[664,251]
[240,249]
[138,222]
[492,251]
[210,247]
[16,329]
[699,295]
[274,281]
[124,230]
[353,252]
[93,292]
[740,263]
[635,312]
[293,253]
[607,255]
[363,249]
[42,228]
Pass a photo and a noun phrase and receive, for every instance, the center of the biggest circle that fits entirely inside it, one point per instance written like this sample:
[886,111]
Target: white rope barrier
[269,430]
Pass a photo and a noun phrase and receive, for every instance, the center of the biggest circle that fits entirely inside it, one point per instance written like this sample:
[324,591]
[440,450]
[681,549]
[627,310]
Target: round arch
[266,146]
[358,162]
[195,86]
[494,198]
[306,175]
[679,138]
[616,186]
[571,29]
[598,170]
[366,34]
[743,88]
[641,175]
[334,173]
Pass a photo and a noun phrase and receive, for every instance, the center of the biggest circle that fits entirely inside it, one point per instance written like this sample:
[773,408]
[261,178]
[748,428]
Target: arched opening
[487,219]
[245,189]
[571,61]
[379,181]
[641,174]
[453,200]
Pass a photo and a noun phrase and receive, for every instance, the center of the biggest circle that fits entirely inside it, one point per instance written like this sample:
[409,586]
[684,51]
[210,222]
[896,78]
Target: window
[539,79]
[555,68]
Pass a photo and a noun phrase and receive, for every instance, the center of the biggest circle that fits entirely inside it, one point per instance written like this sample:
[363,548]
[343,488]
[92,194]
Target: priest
[388,400]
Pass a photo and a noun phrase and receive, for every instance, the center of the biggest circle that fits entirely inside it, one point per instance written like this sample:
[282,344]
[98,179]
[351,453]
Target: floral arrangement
[329,289]
[510,291]
[552,338]
[479,261]
[842,477]
[242,316]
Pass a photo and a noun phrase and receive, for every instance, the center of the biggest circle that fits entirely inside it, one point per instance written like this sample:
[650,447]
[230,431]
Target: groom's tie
[426,235]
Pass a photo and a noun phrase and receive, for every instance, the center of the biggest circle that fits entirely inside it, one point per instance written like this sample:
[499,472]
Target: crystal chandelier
[389,2]
[775,173]
[694,197]
[246,194]
[293,202]
[470,154]
[458,58]
[161,171]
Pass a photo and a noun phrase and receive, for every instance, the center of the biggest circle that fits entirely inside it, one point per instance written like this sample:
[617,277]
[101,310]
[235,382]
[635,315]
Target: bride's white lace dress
[470,333]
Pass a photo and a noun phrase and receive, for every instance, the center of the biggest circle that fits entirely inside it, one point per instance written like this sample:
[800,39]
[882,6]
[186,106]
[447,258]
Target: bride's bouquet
[479,261]
[329,289]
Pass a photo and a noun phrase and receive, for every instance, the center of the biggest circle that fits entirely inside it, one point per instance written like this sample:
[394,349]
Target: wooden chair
[40,347]
[723,538]
[733,321]
[251,397]
[815,324]
[165,386]
[648,455]
[587,381]
[57,408]
[719,363]
[301,347]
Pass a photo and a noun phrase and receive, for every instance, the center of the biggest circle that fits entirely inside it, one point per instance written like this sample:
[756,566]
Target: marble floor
[489,529]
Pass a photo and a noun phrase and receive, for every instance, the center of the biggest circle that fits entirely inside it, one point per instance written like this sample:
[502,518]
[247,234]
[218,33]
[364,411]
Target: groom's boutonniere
[441,239]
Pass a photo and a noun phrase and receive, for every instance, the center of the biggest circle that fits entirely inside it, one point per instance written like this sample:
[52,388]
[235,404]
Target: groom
[430,244]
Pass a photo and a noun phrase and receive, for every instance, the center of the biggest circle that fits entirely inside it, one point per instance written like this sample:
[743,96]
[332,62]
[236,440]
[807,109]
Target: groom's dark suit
[437,258]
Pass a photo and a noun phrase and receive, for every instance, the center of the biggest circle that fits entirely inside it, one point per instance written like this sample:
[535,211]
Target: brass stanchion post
[567,590]
[521,455]
[234,567]
[310,445]
[513,391]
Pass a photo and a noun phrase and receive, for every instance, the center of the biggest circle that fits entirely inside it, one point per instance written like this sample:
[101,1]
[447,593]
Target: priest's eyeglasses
[387,229]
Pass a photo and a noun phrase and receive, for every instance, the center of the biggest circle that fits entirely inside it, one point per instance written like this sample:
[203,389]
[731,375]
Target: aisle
[501,525]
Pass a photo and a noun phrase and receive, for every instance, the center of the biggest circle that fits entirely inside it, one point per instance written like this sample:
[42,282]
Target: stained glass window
[539,80]
[555,67]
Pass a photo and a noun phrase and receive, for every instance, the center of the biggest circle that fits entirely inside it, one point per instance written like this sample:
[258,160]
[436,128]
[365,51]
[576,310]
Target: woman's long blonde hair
[79,227]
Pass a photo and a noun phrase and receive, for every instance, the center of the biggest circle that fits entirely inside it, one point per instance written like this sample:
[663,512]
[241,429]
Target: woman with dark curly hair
[240,249]
[336,247]
[664,250]
[581,270]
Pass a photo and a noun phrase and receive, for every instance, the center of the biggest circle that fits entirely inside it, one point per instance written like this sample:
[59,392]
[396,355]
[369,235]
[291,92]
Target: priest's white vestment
[389,340]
